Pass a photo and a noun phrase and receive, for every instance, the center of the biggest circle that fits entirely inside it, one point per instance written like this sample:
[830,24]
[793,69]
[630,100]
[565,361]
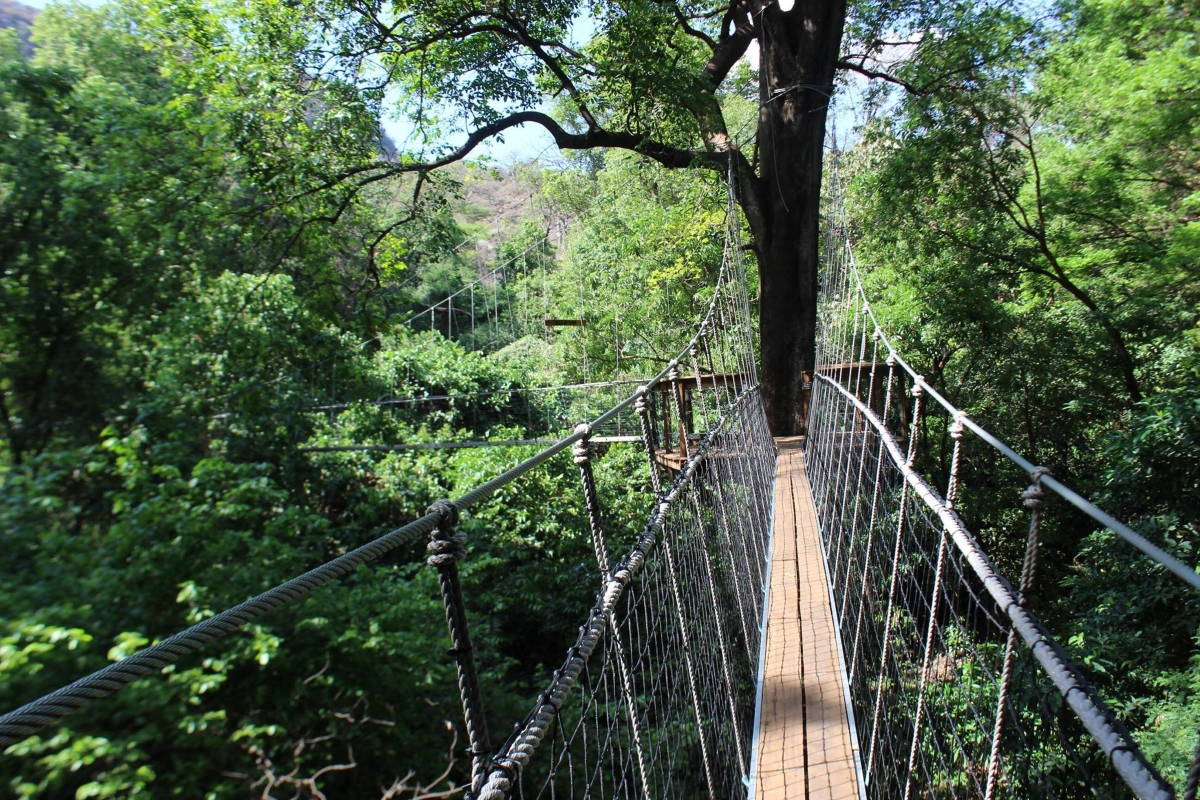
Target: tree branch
[883,76]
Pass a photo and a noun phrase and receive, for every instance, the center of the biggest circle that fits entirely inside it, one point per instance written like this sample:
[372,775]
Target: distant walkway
[804,736]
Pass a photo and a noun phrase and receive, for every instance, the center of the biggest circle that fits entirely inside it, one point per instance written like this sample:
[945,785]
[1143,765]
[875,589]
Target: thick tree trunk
[799,51]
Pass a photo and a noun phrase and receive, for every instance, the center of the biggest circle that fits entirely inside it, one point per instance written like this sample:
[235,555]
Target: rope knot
[877,335]
[446,545]
[446,511]
[958,427]
[891,359]
[581,453]
[918,389]
[1035,495]
[642,404]
[446,549]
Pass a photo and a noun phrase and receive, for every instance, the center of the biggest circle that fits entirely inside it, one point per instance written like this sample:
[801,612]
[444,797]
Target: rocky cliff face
[19,17]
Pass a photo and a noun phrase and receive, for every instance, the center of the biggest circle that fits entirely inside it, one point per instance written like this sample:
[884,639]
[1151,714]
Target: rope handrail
[430,398]
[946,660]
[39,713]
[1176,566]
[516,755]
[478,281]
[1114,739]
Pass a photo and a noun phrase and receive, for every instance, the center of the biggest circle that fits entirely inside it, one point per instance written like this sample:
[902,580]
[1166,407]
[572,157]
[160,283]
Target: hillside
[19,17]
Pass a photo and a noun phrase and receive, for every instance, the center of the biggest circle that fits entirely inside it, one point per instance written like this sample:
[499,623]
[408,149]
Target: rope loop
[446,511]
[510,768]
[1035,495]
[446,545]
[642,404]
[958,427]
[545,701]
[581,453]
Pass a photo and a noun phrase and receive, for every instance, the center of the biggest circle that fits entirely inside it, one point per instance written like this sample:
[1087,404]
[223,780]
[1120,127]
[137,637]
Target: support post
[1033,497]
[643,409]
[445,551]
[582,455]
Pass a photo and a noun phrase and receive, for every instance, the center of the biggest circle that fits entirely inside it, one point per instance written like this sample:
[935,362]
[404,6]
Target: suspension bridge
[798,618]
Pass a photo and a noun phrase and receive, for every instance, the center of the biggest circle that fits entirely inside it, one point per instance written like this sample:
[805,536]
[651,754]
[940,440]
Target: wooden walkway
[804,738]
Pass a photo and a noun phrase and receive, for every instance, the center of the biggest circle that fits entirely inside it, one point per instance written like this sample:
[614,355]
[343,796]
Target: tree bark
[799,51]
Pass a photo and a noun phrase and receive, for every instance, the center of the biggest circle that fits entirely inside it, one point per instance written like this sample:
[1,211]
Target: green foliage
[642,261]
[181,292]
[1030,238]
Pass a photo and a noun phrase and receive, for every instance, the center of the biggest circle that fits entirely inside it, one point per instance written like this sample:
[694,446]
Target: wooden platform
[804,737]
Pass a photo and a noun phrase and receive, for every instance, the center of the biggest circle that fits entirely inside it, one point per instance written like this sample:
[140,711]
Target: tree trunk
[799,51]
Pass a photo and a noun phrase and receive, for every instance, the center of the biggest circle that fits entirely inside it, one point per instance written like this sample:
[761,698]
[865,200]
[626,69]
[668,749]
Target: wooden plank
[804,739]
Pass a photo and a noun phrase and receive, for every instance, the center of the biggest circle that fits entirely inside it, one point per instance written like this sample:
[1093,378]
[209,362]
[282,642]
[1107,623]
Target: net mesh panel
[924,640]
[663,706]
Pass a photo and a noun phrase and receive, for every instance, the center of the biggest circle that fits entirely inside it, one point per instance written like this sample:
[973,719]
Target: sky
[528,142]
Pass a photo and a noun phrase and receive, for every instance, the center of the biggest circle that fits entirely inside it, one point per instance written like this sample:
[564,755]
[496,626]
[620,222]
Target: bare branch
[883,76]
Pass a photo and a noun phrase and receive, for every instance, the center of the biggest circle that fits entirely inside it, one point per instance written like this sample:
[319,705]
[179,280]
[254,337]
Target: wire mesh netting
[957,689]
[656,698]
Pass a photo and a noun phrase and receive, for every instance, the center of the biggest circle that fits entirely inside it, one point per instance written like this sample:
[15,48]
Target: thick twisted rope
[1108,733]
[1033,497]
[518,752]
[446,549]
[582,456]
[31,717]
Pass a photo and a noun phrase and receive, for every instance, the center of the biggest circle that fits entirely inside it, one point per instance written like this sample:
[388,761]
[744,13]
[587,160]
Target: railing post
[642,404]
[582,456]
[445,551]
[956,433]
[918,392]
[1033,497]
[677,402]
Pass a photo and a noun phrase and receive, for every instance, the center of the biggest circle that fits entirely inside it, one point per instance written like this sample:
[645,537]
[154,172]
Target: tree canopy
[213,261]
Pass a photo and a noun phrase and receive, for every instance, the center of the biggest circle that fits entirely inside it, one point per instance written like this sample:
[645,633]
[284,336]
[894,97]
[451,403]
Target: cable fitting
[1035,495]
[958,427]
[446,545]
[446,511]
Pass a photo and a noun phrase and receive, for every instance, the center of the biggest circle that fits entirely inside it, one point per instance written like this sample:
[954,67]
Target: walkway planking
[804,742]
